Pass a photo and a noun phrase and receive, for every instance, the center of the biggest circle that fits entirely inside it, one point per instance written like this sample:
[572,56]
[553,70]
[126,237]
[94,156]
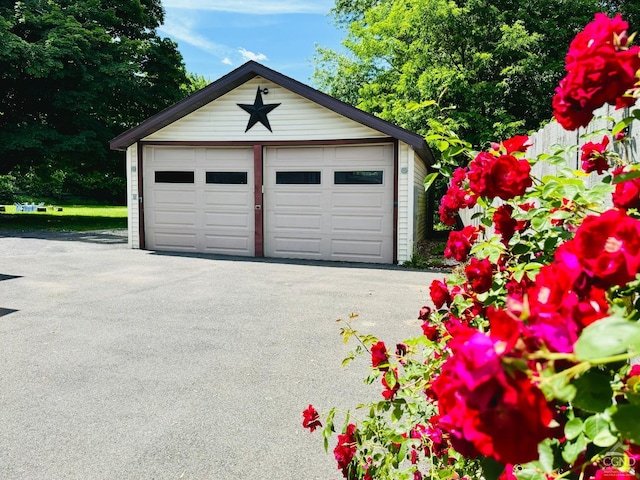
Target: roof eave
[245,73]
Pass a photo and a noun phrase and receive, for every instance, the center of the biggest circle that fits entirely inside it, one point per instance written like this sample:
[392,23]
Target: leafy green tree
[484,68]
[194,83]
[72,76]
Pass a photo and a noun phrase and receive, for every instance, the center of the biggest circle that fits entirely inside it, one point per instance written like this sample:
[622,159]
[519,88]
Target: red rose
[593,156]
[480,275]
[504,176]
[430,331]
[519,143]
[439,293]
[424,313]
[608,247]
[345,449]
[633,372]
[311,419]
[485,410]
[551,301]
[601,69]
[459,243]
[626,194]
[379,356]
[503,223]
[458,196]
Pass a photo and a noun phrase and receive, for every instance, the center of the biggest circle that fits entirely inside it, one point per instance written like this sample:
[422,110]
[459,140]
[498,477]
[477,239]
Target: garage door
[199,199]
[329,203]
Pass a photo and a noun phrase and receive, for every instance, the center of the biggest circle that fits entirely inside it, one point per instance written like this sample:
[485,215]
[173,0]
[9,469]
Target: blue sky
[217,36]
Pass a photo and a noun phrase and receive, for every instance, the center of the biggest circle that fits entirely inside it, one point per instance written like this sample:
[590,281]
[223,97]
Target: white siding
[295,119]
[419,201]
[405,194]
[133,204]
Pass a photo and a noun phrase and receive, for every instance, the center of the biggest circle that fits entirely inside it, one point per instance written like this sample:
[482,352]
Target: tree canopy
[488,69]
[72,76]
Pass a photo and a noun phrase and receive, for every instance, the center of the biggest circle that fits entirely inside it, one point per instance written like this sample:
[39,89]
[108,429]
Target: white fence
[553,135]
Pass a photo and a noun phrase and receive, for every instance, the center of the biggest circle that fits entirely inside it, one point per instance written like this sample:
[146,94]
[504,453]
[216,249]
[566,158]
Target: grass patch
[76,218]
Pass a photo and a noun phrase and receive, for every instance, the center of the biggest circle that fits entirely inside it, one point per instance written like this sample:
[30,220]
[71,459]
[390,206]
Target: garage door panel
[357,224]
[173,217]
[227,220]
[174,197]
[178,240]
[359,199]
[370,250]
[231,245]
[298,199]
[297,245]
[296,221]
[364,154]
[228,199]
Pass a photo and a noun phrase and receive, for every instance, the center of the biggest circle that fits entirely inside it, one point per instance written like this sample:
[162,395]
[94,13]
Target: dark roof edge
[248,71]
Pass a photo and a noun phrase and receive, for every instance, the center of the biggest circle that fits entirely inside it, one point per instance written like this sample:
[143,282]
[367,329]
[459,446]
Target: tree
[484,68]
[72,76]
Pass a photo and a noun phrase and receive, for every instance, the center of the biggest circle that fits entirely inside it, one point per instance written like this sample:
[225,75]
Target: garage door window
[358,177]
[297,178]
[227,178]
[174,177]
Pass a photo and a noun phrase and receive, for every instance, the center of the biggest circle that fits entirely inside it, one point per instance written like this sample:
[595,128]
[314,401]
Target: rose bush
[523,367]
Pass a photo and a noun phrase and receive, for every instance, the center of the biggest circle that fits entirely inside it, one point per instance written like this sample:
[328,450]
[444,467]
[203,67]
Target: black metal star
[258,111]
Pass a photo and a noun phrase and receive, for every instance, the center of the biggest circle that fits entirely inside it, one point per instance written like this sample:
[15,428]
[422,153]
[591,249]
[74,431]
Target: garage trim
[258,161]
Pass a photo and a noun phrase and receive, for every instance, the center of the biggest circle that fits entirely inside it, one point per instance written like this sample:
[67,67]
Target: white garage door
[199,200]
[329,203]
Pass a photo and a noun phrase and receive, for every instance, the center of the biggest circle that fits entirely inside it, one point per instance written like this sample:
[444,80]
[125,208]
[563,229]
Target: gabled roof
[245,73]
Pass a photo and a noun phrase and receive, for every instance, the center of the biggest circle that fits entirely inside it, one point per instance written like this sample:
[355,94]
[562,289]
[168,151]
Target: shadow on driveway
[97,236]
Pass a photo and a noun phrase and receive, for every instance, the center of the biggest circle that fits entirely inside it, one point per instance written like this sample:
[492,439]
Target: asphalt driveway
[128,364]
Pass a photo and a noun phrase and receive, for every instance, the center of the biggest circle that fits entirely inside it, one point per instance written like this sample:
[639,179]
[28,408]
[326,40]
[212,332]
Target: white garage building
[258,164]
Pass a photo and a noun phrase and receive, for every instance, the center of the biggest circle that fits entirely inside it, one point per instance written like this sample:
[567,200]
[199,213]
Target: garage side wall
[405,201]
[133,209]
[419,201]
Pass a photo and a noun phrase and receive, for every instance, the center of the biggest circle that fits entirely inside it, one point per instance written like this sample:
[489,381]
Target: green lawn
[72,217]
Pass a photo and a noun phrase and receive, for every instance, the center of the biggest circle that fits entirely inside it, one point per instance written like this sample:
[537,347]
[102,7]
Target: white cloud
[247,55]
[227,61]
[182,29]
[256,7]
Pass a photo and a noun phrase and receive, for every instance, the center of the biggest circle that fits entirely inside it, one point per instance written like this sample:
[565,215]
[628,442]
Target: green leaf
[529,473]
[428,181]
[594,393]
[491,469]
[572,450]
[597,429]
[442,145]
[622,124]
[545,455]
[610,336]
[558,388]
[623,177]
[632,397]
[397,412]
[627,421]
[573,428]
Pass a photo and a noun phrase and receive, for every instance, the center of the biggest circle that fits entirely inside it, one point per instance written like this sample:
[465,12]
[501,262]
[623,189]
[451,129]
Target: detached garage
[258,164]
